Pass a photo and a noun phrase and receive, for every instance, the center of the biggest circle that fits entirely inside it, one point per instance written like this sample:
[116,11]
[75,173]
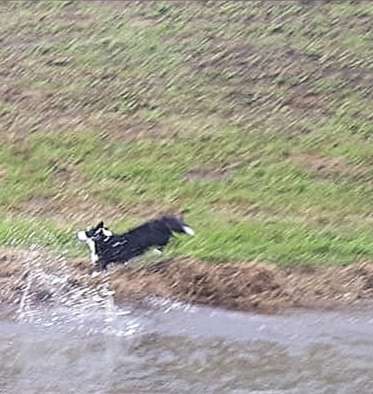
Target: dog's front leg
[102,265]
[99,266]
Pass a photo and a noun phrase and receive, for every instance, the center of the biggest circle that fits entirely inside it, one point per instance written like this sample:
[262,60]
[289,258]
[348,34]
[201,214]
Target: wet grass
[255,121]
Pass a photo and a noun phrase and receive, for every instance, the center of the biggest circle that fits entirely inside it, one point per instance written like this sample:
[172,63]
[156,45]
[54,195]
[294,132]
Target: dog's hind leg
[101,266]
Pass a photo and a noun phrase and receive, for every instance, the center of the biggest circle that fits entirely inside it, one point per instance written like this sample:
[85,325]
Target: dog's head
[97,233]
[177,225]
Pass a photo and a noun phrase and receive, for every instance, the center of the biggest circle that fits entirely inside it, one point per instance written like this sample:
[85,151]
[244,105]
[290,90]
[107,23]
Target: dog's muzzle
[82,236]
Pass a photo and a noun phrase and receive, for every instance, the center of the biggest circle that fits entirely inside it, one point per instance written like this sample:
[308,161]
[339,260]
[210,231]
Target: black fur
[120,248]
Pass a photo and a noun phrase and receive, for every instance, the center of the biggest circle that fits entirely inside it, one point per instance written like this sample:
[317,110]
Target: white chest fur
[91,245]
[92,248]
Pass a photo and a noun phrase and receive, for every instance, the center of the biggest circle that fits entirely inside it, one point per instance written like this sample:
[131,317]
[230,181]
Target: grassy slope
[253,117]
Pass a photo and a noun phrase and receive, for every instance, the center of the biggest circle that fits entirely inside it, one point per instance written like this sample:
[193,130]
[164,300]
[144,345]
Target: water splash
[168,305]
[52,296]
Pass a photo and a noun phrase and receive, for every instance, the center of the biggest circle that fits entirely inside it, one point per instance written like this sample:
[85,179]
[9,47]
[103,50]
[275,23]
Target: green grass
[256,121]
[21,232]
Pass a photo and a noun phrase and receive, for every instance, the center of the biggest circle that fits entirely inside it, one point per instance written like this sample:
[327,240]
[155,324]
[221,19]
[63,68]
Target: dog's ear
[100,225]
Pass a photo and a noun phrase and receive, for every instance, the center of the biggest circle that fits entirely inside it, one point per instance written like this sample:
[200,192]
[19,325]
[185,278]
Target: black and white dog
[107,247]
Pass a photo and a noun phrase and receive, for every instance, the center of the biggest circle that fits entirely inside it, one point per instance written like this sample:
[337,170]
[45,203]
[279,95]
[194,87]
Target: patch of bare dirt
[328,167]
[208,174]
[321,165]
[3,173]
[306,101]
[246,287]
[129,127]
[78,210]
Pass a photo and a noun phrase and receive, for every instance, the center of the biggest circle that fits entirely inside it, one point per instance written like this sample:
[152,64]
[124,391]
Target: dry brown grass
[246,287]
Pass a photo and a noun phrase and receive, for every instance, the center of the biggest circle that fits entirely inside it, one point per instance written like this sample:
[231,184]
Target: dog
[107,248]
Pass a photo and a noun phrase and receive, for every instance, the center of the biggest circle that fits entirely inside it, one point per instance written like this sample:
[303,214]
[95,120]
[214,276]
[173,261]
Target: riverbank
[246,287]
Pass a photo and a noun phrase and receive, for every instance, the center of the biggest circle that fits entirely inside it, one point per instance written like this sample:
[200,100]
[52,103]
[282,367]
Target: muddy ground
[246,287]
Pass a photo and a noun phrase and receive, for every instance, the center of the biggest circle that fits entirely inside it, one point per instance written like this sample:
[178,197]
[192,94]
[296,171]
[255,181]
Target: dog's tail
[188,230]
[177,225]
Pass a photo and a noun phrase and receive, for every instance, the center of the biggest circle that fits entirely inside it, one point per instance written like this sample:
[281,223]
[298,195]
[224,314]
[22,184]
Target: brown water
[78,341]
